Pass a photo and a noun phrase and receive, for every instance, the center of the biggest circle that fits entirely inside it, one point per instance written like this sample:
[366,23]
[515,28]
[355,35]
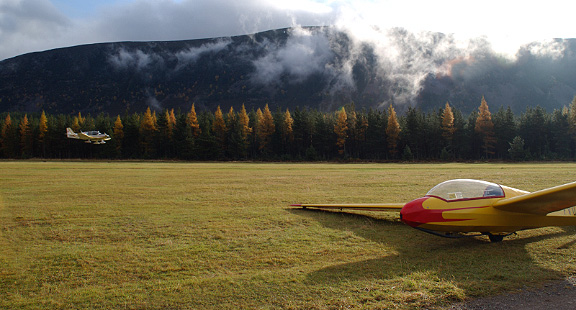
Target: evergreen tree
[516,150]
[559,129]
[375,144]
[534,129]
[505,131]
[485,128]
[392,131]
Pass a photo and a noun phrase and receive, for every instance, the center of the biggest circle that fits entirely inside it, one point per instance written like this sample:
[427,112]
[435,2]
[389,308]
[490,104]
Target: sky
[37,25]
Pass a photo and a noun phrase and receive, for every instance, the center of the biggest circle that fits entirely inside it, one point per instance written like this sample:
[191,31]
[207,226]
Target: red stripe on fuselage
[414,214]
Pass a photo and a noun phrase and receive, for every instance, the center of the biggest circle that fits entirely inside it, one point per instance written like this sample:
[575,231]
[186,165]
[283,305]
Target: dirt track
[553,295]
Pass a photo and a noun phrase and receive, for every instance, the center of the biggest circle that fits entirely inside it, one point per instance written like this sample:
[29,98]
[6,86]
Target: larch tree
[485,128]
[118,133]
[219,128]
[192,120]
[170,124]
[341,130]
[392,131]
[288,124]
[266,127]
[448,123]
[25,137]
[42,130]
[7,139]
[244,122]
[147,131]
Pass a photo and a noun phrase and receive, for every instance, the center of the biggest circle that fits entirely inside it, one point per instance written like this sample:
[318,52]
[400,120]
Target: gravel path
[557,295]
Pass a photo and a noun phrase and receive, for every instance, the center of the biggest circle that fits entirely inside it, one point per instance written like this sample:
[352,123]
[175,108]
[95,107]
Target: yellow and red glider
[456,208]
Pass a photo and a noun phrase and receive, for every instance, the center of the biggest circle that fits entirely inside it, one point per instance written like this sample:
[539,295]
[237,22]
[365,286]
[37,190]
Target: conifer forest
[445,134]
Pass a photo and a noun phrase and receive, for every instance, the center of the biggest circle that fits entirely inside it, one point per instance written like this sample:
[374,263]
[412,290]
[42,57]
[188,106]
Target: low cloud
[192,54]
[305,53]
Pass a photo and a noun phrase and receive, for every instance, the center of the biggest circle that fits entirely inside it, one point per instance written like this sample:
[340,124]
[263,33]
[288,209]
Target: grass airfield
[161,235]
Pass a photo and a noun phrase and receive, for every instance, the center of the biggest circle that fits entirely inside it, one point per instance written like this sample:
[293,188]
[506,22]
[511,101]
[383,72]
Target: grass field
[222,236]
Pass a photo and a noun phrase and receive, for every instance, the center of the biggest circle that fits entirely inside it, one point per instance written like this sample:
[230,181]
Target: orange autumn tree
[147,131]
[25,137]
[265,127]
[7,139]
[219,128]
[118,133]
[485,128]
[192,120]
[341,130]
[42,130]
[448,123]
[392,131]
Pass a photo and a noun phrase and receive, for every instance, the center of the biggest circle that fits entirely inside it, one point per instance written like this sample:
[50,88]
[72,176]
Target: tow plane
[467,208]
[94,137]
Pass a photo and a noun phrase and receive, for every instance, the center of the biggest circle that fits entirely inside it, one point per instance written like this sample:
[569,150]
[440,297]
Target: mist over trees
[444,134]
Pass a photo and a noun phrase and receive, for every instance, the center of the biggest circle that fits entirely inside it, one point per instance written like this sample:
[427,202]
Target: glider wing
[366,207]
[541,202]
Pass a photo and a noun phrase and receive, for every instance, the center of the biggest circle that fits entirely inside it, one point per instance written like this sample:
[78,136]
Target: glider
[94,137]
[466,208]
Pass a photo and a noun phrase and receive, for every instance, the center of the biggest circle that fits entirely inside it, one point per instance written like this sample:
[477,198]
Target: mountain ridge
[316,67]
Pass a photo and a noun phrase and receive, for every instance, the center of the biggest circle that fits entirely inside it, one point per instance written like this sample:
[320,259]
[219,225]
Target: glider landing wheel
[496,238]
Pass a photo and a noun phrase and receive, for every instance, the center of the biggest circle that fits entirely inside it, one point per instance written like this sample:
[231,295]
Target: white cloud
[31,25]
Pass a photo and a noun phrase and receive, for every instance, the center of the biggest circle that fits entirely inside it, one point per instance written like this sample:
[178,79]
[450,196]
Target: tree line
[302,134]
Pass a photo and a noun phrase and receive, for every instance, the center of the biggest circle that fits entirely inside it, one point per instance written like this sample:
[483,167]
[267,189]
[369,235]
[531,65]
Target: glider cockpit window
[466,189]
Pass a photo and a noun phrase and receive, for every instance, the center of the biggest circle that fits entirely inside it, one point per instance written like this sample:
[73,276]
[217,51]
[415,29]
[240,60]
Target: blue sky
[35,25]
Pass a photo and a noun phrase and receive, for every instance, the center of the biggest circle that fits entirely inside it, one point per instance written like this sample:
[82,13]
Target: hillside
[318,67]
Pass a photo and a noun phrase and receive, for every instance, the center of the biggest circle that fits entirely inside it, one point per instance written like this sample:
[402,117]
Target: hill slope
[318,67]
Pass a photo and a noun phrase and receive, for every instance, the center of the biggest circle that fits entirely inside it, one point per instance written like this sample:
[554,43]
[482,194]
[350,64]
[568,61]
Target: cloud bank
[404,35]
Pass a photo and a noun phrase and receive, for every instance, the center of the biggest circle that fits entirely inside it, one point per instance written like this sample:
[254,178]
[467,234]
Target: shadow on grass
[475,265]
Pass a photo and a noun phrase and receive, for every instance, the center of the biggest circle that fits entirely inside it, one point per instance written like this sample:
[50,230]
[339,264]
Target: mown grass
[222,236]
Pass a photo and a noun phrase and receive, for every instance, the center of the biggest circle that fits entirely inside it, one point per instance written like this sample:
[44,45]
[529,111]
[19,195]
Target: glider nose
[412,212]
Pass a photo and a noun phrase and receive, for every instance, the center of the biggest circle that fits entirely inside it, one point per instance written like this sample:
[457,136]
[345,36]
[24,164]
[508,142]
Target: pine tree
[341,130]
[192,120]
[392,131]
[485,128]
[572,118]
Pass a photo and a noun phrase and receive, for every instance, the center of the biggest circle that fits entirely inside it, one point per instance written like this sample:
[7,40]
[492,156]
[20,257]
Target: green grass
[222,235]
